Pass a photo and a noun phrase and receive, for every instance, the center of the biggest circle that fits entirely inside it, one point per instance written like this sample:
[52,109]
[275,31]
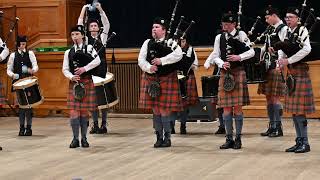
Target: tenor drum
[183,85]
[255,69]
[106,92]
[28,92]
[210,86]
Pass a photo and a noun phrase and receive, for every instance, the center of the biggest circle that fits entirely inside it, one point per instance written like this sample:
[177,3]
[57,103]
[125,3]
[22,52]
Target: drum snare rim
[105,81]
[32,105]
[15,87]
[109,105]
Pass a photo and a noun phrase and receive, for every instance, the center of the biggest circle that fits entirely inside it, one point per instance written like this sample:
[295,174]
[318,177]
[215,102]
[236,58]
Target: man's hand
[156,61]
[75,78]
[79,71]
[233,58]
[271,50]
[153,69]
[283,62]
[207,65]
[226,65]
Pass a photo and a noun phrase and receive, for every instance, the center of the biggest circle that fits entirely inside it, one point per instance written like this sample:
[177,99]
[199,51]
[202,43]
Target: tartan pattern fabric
[239,96]
[170,98]
[301,101]
[88,102]
[192,92]
[274,85]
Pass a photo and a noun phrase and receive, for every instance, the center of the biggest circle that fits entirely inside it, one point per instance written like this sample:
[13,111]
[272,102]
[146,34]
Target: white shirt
[305,50]
[105,24]
[5,52]
[171,58]
[10,63]
[94,63]
[281,34]
[215,56]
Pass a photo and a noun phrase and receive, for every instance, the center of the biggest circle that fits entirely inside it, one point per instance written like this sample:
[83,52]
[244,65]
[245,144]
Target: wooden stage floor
[127,153]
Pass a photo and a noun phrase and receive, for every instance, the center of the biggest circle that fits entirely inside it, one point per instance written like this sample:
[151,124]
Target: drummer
[22,63]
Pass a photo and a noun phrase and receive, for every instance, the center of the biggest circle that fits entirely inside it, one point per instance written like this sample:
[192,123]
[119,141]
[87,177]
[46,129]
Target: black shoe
[303,148]
[94,129]
[276,132]
[28,131]
[228,144]
[74,143]
[221,130]
[103,130]
[159,140]
[173,131]
[293,148]
[267,132]
[0,148]
[21,131]
[166,141]
[237,142]
[183,128]
[84,143]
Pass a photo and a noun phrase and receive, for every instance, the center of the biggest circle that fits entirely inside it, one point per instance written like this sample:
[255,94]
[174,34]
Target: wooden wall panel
[46,22]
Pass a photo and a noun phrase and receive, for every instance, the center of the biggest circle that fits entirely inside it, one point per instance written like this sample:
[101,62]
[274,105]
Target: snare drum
[183,85]
[28,92]
[255,69]
[106,92]
[210,86]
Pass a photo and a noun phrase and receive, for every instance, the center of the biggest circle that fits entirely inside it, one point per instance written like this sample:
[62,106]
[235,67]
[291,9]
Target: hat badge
[162,21]
[297,11]
[230,19]
[267,11]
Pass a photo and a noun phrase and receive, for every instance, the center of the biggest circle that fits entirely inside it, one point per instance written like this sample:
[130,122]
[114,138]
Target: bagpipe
[82,58]
[296,42]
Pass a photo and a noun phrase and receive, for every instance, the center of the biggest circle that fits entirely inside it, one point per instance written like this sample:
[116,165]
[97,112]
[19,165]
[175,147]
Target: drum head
[98,81]
[25,82]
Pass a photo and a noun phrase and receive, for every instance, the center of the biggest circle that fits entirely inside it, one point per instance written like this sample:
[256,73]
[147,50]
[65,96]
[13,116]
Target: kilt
[239,96]
[170,98]
[192,92]
[274,85]
[301,100]
[88,103]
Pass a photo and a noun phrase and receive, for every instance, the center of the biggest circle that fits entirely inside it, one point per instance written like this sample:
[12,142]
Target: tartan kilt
[192,92]
[274,85]
[88,103]
[301,101]
[170,98]
[239,96]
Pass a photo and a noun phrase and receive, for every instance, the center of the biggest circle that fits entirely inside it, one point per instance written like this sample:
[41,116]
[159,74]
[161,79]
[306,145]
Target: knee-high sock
[104,117]
[270,109]
[75,124]
[157,124]
[303,125]
[184,116]
[239,123]
[22,116]
[29,114]
[296,126]
[84,122]
[277,109]
[166,123]
[95,116]
[220,117]
[228,123]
